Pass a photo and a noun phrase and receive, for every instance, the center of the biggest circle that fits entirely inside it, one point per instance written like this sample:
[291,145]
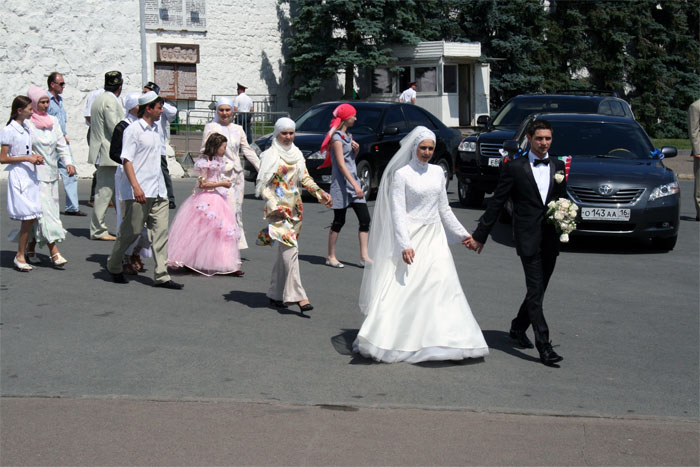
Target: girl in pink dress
[204,234]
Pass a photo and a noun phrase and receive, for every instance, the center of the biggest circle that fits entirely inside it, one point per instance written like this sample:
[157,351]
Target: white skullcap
[147,98]
[131,100]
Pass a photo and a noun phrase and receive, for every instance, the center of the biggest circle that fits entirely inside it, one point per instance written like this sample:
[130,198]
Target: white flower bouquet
[562,213]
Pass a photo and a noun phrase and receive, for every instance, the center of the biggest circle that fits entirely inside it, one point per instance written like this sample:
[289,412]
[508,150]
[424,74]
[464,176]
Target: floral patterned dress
[283,207]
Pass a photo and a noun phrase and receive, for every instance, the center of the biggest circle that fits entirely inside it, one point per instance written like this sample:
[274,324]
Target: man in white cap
[243,105]
[144,193]
[169,114]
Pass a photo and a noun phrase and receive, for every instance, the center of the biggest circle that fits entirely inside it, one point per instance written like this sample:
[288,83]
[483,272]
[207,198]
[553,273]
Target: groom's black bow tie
[544,161]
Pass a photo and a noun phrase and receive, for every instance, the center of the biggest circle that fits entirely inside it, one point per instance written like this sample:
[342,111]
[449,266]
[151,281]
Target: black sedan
[617,177]
[379,128]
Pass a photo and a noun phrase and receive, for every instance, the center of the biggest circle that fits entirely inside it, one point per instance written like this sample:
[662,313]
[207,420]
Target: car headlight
[316,155]
[256,148]
[467,146]
[664,190]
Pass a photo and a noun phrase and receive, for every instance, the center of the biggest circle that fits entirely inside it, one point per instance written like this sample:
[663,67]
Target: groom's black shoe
[547,354]
[521,338]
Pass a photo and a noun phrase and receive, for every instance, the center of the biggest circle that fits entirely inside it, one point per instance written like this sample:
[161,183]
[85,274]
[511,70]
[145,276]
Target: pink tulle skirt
[204,236]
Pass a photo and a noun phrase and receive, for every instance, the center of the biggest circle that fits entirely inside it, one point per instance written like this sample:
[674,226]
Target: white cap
[147,98]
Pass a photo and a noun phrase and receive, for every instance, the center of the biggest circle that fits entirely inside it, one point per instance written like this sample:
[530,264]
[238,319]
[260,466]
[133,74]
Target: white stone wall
[84,39]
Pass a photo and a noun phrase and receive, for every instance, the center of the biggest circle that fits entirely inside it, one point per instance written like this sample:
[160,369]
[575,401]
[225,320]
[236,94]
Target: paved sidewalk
[105,432]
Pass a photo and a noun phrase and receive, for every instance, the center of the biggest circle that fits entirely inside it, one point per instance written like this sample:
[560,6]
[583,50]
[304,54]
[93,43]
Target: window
[426,77]
[416,117]
[449,78]
[381,81]
[404,78]
[394,117]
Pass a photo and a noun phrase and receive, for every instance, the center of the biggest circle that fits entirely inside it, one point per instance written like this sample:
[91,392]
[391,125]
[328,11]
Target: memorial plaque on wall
[166,78]
[176,15]
[187,82]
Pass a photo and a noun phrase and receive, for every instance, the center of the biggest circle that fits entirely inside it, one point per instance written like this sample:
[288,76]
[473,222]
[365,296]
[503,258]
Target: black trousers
[538,269]
[166,177]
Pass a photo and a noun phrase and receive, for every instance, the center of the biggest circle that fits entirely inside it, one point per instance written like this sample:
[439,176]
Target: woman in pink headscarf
[48,141]
[346,191]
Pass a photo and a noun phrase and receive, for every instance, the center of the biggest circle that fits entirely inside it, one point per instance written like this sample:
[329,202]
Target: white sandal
[58,260]
[24,267]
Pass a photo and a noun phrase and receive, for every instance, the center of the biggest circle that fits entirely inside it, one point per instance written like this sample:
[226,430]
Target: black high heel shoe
[307,307]
[277,303]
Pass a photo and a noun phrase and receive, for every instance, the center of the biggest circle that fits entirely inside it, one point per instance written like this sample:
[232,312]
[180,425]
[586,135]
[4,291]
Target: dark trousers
[166,177]
[538,269]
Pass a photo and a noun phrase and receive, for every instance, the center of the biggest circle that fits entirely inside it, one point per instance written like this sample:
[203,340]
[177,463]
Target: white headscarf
[383,248]
[270,159]
[131,100]
[219,103]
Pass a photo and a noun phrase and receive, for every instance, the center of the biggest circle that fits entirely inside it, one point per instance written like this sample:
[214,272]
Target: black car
[480,155]
[379,128]
[616,177]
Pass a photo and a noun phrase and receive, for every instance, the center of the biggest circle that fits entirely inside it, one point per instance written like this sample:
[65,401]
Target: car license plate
[605,214]
[494,162]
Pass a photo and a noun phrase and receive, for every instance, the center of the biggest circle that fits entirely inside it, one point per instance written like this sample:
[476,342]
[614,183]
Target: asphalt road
[624,317]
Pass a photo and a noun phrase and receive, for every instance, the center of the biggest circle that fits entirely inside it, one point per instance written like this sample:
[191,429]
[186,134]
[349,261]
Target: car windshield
[608,140]
[318,119]
[518,110]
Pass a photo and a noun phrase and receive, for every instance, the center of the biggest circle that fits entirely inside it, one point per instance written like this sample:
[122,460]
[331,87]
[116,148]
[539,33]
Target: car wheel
[664,244]
[364,173]
[468,195]
[445,166]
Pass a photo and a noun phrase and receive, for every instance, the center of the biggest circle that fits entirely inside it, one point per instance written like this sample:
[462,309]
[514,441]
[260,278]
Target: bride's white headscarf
[383,249]
[270,159]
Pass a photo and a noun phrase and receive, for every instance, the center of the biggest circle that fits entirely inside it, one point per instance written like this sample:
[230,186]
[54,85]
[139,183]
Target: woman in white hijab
[416,309]
[280,178]
[233,170]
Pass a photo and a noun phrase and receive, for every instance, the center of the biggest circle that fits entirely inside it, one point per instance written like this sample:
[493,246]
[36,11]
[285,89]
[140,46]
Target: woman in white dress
[23,199]
[416,309]
[49,142]
[233,170]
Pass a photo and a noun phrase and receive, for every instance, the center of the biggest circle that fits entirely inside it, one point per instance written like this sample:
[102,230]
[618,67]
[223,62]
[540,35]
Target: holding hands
[36,159]
[472,244]
[327,200]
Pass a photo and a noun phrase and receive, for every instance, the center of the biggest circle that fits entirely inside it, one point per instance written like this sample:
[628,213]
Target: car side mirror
[390,130]
[669,151]
[483,120]
[511,146]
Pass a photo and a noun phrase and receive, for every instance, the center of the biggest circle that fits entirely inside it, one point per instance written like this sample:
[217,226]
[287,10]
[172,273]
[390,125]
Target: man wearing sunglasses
[56,85]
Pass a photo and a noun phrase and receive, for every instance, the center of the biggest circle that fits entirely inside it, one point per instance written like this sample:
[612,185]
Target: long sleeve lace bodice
[418,197]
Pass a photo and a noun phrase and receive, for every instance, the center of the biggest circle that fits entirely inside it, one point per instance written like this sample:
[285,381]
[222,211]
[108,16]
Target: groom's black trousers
[538,269]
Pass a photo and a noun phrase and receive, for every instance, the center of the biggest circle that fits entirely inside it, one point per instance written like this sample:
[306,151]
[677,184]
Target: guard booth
[452,80]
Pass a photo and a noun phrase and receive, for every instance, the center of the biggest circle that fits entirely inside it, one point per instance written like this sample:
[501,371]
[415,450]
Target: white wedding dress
[416,312]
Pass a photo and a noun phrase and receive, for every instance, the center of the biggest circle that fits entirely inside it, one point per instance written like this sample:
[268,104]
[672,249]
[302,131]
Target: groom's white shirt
[541,174]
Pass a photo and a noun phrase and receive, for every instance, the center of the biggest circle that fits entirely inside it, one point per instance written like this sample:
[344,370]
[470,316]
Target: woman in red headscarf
[346,191]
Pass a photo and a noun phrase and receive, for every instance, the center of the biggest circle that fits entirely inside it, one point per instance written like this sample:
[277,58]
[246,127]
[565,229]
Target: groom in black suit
[530,183]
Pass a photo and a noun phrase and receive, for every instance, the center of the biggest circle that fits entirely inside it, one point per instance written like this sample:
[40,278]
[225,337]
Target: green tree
[329,36]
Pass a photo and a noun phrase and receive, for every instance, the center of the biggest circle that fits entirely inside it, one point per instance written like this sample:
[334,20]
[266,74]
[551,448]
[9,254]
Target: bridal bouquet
[562,213]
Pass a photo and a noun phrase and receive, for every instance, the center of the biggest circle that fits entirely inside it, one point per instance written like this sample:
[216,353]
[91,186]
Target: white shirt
[19,139]
[141,146]
[408,95]
[168,115]
[91,98]
[243,103]
[418,197]
[541,173]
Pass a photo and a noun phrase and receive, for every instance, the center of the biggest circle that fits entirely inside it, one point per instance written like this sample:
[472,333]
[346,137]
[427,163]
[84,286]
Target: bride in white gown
[416,309]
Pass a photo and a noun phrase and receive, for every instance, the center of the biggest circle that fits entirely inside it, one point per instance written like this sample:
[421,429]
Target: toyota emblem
[605,190]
